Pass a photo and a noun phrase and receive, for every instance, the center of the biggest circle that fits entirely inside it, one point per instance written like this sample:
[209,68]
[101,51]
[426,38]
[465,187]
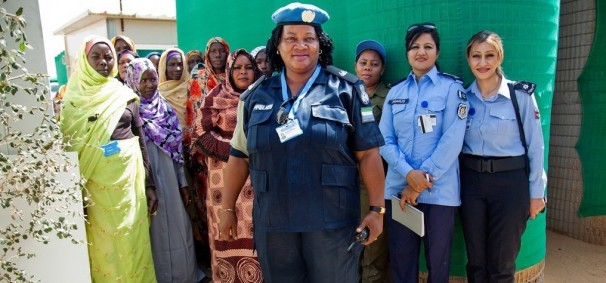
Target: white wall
[74,41]
[60,260]
[146,33]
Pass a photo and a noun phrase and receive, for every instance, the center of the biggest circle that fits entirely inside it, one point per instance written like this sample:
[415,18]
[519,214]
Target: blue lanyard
[302,92]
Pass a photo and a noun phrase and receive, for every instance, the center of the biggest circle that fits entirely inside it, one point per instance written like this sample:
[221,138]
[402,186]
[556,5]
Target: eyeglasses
[283,111]
[429,26]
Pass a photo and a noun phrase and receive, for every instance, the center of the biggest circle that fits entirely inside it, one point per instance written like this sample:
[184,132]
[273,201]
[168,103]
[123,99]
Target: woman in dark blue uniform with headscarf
[302,135]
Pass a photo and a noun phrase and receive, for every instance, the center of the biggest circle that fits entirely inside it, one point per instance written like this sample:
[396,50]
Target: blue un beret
[371,45]
[297,13]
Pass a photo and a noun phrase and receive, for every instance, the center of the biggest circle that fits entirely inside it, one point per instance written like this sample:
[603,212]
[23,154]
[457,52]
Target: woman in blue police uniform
[502,183]
[302,135]
[423,124]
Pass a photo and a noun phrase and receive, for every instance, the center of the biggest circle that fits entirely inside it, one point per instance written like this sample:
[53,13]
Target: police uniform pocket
[328,126]
[339,183]
[436,105]
[398,109]
[503,120]
[258,180]
[259,131]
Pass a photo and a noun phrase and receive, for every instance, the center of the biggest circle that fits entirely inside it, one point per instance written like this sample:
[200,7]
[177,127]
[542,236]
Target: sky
[55,13]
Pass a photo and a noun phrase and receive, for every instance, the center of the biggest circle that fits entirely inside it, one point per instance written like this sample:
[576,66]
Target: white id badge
[425,122]
[289,130]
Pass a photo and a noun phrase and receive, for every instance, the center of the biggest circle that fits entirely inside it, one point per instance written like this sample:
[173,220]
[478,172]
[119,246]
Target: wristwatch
[377,209]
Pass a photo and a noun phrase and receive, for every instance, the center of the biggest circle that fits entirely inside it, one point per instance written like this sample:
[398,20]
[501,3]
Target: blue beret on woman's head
[297,13]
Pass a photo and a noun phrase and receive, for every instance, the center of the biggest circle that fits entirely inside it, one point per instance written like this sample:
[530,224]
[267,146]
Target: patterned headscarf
[160,122]
[134,72]
[216,120]
[201,84]
[174,91]
[128,41]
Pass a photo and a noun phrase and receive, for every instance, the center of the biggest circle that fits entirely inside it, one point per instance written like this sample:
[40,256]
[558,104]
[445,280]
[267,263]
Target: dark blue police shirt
[311,182]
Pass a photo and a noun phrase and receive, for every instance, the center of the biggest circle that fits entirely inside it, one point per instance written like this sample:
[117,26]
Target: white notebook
[411,217]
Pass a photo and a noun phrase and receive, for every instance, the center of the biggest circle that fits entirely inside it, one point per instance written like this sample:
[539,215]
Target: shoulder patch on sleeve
[342,74]
[455,78]
[526,87]
[361,88]
[251,88]
[462,111]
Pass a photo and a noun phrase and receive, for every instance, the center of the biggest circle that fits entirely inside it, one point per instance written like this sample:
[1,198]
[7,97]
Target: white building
[149,32]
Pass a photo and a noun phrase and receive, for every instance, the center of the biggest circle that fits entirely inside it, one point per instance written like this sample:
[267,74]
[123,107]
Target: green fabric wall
[592,88]
[529,29]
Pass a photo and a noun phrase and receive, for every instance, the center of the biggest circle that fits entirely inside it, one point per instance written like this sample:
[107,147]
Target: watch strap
[377,209]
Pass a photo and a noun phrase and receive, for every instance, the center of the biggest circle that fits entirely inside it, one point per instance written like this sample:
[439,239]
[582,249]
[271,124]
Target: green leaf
[20,11]
[22,46]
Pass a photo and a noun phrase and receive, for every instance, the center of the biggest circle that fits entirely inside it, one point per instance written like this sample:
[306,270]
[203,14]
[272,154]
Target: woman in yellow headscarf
[100,121]
[173,74]
[122,42]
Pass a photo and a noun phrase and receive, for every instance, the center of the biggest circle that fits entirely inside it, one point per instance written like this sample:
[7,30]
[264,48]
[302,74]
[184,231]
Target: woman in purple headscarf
[171,236]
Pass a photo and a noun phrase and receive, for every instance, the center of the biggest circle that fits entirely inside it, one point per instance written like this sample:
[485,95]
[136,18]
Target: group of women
[282,157]
[129,133]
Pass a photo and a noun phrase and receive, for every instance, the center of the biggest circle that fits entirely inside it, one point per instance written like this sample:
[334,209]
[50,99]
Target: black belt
[491,164]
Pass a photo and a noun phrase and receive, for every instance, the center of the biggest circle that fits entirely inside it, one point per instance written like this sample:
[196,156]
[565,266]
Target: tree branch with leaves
[31,161]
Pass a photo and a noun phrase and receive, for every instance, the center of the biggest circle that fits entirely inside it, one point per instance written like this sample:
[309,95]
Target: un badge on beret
[462,111]
[308,16]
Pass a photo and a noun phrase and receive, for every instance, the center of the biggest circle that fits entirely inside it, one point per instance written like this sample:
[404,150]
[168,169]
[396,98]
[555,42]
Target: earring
[320,52]
[278,52]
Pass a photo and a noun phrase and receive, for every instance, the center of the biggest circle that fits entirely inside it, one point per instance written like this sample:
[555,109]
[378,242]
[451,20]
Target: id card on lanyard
[291,129]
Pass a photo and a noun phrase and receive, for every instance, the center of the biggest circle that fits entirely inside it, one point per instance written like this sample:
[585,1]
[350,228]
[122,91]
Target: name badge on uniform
[426,122]
[289,131]
[110,148]
[398,101]
[367,115]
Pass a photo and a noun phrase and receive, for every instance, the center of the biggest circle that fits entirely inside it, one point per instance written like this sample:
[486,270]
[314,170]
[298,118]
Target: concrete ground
[573,261]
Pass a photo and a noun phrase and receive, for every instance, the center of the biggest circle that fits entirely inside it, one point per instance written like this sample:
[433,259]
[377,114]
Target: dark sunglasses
[283,111]
[429,26]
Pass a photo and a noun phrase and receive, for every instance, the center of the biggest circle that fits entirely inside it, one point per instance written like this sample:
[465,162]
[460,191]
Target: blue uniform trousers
[316,257]
[404,245]
[494,212]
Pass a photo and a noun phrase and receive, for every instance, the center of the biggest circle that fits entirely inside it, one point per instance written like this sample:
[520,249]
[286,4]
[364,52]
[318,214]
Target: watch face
[378,209]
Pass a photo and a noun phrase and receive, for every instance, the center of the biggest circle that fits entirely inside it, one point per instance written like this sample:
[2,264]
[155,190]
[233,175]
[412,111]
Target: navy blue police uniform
[307,198]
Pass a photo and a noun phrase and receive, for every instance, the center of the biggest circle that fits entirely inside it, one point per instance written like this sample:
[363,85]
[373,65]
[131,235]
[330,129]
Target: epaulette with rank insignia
[361,88]
[342,74]
[455,78]
[462,95]
[526,87]
[251,88]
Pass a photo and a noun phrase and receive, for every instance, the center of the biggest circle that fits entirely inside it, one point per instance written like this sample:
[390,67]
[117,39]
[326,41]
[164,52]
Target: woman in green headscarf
[100,121]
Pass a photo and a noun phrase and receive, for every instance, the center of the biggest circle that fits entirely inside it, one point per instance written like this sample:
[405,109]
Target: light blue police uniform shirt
[407,147]
[492,130]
